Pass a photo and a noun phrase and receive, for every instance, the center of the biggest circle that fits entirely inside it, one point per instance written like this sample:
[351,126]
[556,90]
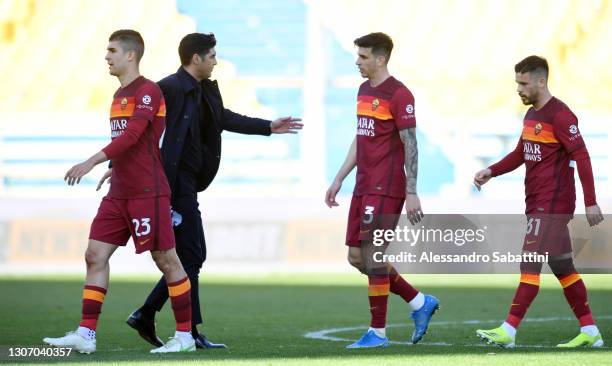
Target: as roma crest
[375,104]
[537,128]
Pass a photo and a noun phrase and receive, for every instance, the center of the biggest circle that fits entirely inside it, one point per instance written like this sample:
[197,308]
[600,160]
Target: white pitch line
[324,334]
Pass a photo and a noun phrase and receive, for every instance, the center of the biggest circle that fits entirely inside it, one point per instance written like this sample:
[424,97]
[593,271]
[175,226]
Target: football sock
[378,293]
[86,333]
[381,332]
[574,290]
[417,302]
[400,287]
[184,337]
[525,293]
[509,329]
[591,330]
[180,297]
[576,295]
[93,298]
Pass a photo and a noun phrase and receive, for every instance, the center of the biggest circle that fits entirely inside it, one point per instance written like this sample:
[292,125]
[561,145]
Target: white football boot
[177,344]
[73,340]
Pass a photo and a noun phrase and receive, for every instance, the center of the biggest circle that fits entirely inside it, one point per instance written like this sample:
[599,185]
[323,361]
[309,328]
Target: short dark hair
[535,64]
[193,43]
[380,43]
[130,41]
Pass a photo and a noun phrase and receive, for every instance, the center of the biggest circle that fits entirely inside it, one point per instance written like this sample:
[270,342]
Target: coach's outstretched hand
[594,215]
[482,177]
[286,125]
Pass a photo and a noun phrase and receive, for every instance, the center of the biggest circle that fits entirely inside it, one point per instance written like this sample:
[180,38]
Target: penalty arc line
[324,334]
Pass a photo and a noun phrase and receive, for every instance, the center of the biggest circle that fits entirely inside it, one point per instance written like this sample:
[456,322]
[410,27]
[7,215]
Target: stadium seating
[457,57]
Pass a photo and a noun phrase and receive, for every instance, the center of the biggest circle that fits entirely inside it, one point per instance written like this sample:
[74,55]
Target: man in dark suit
[191,152]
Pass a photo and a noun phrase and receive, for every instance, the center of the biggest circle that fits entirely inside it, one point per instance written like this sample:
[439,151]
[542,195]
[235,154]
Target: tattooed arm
[411,165]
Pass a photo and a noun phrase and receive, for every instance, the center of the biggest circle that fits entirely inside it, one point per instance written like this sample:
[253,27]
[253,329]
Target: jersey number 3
[368,215]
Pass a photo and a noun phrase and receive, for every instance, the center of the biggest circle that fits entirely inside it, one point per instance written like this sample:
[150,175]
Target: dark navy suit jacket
[181,112]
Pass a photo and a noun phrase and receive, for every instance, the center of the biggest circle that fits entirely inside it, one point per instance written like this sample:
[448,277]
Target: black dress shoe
[145,326]
[202,342]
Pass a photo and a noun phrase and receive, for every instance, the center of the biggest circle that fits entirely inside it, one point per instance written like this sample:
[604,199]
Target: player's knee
[355,261]
[562,265]
[160,260]
[164,261]
[94,258]
[531,267]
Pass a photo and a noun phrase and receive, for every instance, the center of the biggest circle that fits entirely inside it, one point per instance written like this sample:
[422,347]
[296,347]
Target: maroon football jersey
[549,136]
[381,112]
[138,171]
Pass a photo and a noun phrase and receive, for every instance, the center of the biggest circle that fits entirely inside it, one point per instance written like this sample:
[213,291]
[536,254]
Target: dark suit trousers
[190,245]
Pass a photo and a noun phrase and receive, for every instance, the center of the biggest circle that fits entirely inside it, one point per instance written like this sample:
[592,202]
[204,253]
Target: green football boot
[583,340]
[497,336]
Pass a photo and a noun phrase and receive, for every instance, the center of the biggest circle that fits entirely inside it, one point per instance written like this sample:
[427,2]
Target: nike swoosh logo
[531,241]
[143,242]
[363,231]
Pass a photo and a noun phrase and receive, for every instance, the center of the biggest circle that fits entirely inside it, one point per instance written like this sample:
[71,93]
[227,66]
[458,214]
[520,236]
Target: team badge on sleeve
[146,99]
[573,129]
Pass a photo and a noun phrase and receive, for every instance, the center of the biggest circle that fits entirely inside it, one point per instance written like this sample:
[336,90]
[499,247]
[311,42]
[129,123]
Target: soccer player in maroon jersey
[385,153]
[138,202]
[548,146]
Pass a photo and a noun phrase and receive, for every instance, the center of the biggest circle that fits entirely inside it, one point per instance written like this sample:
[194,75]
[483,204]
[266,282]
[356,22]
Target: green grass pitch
[264,320]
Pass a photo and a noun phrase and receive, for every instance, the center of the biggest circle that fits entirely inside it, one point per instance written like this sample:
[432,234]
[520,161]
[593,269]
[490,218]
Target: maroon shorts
[146,220]
[365,216]
[547,233]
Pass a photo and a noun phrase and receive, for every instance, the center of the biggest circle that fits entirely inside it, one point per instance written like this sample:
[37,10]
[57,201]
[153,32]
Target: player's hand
[286,125]
[482,177]
[594,215]
[330,195]
[105,177]
[74,175]
[413,208]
